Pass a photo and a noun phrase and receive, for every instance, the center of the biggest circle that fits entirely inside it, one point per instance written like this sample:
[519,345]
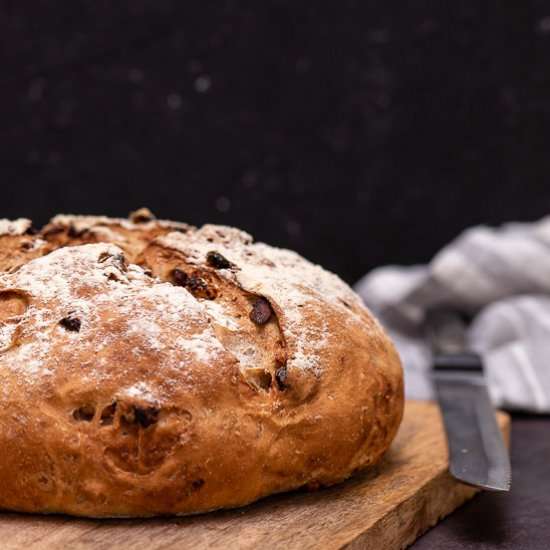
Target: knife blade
[477,452]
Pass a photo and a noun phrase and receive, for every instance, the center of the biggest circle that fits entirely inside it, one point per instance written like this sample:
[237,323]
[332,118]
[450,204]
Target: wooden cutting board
[387,507]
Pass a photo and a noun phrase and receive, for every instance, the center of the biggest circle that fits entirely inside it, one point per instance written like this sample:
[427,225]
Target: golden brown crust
[19,243]
[218,372]
[131,234]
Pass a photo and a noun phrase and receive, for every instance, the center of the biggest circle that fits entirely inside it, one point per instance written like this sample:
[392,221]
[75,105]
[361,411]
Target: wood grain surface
[387,507]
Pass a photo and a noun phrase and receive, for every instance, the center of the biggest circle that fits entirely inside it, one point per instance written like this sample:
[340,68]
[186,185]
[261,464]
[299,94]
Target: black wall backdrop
[359,133]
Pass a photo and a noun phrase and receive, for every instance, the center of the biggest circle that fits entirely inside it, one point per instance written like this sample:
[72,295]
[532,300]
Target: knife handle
[462,362]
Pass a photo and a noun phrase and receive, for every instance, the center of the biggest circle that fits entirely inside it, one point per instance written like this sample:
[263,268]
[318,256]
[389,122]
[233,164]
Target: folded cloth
[501,277]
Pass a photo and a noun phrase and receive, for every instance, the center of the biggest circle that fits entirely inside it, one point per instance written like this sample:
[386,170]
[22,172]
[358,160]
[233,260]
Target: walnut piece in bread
[153,368]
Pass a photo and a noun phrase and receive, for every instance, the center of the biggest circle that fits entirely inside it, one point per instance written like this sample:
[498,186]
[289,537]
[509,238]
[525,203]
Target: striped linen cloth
[499,276]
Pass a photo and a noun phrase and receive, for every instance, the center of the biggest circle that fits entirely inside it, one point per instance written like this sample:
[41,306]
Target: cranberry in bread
[149,367]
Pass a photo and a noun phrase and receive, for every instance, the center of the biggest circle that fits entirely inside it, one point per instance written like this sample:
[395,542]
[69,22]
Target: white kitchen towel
[499,276]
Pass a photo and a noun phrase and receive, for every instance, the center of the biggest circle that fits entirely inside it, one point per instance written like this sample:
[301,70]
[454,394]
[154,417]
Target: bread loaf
[149,367]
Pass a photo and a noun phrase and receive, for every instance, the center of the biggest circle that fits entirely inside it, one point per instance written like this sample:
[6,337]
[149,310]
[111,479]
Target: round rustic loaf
[149,367]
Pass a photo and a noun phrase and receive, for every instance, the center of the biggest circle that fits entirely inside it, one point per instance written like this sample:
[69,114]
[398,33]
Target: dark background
[359,133]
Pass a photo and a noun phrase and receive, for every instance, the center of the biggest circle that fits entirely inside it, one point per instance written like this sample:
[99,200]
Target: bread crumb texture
[149,367]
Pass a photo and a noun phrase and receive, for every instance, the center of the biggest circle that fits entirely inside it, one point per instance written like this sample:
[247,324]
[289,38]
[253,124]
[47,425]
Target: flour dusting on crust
[83,223]
[15,227]
[85,281]
[286,279]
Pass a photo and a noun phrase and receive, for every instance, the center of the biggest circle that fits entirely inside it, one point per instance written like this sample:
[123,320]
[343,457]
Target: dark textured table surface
[519,520]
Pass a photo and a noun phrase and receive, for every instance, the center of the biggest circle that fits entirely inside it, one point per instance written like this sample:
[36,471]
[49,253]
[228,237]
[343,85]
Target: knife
[477,452]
